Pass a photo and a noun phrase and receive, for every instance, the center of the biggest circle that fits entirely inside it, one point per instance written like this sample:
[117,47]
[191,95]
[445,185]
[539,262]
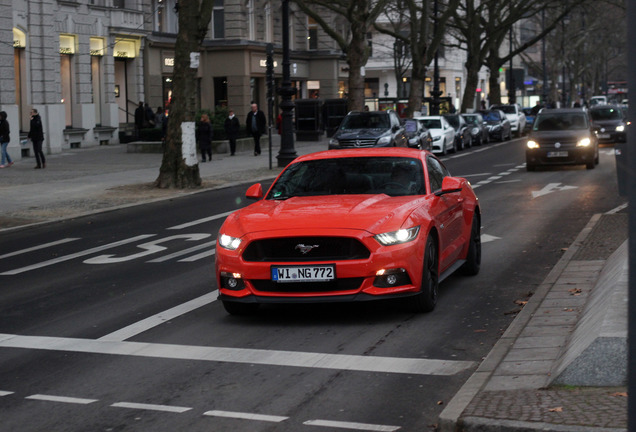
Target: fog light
[233,281]
[391,278]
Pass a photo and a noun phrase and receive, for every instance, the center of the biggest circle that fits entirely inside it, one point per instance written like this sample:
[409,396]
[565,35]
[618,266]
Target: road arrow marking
[485,238]
[551,187]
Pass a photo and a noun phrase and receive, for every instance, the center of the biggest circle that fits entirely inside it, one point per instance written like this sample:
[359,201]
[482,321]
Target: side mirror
[450,185]
[254,192]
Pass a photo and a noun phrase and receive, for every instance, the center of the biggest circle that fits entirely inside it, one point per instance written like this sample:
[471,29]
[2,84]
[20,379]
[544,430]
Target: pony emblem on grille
[305,249]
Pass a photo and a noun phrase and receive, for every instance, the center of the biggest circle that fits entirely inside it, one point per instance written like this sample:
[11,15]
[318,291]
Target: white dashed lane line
[151,407]
[245,416]
[61,399]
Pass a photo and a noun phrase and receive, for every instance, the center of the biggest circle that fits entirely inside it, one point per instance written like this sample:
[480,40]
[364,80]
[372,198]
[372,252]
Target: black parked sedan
[609,123]
[560,137]
[478,132]
[497,124]
[417,134]
[462,131]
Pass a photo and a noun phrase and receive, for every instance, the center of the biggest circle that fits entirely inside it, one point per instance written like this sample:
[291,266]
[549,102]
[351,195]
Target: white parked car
[442,132]
[515,114]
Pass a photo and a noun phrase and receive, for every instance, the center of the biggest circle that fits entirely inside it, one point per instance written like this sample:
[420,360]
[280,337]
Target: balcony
[127,19]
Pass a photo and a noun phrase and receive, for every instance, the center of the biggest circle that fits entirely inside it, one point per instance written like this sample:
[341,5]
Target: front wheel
[426,300]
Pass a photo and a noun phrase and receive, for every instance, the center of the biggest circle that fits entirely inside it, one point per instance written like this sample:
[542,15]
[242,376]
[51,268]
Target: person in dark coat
[149,114]
[232,128]
[5,137]
[204,137]
[140,118]
[256,123]
[36,134]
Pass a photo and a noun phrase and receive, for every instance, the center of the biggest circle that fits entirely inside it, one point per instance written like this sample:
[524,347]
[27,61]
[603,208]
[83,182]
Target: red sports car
[350,225]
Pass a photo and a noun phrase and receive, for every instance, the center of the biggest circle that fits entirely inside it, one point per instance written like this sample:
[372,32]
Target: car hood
[360,134]
[372,213]
[606,123]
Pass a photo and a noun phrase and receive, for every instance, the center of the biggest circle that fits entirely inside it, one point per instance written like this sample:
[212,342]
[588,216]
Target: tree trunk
[472,80]
[179,167]
[356,59]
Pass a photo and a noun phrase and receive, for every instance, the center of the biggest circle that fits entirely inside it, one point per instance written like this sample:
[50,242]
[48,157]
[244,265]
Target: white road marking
[184,252]
[42,246]
[75,255]
[241,355]
[476,175]
[351,425]
[551,187]
[149,248]
[5,393]
[245,416]
[485,238]
[160,318]
[617,209]
[508,181]
[151,407]
[63,399]
[200,221]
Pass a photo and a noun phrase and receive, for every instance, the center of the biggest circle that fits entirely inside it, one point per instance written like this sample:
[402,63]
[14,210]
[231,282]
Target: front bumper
[568,156]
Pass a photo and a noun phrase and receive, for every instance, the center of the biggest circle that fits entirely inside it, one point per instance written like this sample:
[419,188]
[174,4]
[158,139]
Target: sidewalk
[560,331]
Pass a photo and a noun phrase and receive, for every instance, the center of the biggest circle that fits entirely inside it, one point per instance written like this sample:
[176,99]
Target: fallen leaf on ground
[621,394]
[557,409]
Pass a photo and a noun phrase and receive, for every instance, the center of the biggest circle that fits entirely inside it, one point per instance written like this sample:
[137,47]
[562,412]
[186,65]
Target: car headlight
[532,144]
[475,131]
[397,237]
[383,140]
[584,142]
[620,128]
[437,138]
[334,141]
[413,140]
[496,127]
[229,242]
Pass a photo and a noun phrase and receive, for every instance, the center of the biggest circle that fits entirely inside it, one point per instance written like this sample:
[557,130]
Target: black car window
[357,175]
[508,109]
[436,173]
[454,121]
[366,121]
[473,119]
[410,126]
[432,123]
[491,116]
[606,114]
[560,121]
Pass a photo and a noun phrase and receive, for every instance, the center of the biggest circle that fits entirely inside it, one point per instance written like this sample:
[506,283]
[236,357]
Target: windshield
[366,121]
[507,109]
[555,122]
[606,114]
[432,123]
[472,119]
[453,120]
[410,126]
[393,176]
[491,116]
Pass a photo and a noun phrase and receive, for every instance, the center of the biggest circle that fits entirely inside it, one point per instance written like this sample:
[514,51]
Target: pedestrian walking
[140,118]
[204,137]
[256,124]
[36,134]
[4,140]
[232,127]
[149,120]
[160,117]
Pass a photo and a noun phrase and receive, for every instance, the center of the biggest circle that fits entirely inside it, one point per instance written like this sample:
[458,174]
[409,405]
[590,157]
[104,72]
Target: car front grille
[344,284]
[366,142]
[303,249]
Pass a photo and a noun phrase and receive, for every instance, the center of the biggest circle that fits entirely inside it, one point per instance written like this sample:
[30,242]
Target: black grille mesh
[290,249]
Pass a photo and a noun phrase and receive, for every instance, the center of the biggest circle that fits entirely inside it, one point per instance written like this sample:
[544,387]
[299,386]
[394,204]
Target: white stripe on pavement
[151,407]
[34,248]
[200,221]
[245,416]
[351,425]
[63,399]
[160,318]
[241,355]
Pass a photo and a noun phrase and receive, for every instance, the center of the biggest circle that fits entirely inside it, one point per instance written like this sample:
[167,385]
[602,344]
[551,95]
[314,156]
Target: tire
[236,308]
[444,152]
[426,299]
[473,257]
[590,165]
[530,167]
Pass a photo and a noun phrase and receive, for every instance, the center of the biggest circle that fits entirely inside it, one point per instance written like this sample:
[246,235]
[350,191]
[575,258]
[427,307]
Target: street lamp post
[436,93]
[287,152]
[511,90]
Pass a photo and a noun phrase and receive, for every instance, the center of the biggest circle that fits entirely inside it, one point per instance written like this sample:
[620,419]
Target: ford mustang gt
[350,225]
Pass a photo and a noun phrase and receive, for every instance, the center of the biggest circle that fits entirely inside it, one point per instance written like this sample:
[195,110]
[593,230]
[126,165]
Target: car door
[447,212]
[449,132]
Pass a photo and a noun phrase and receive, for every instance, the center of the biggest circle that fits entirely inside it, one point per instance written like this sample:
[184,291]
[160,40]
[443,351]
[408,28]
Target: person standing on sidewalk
[4,140]
[232,128]
[256,124]
[204,137]
[36,134]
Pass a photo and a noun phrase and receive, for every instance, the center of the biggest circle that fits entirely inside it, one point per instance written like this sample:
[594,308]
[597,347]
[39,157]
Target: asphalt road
[110,322]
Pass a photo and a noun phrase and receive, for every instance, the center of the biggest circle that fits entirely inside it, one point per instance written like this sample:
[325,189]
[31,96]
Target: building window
[218,20]
[312,34]
[220,91]
[269,28]
[251,25]
[67,86]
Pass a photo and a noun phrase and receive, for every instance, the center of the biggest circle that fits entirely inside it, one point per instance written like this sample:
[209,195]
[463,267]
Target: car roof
[561,110]
[431,117]
[364,152]
[606,106]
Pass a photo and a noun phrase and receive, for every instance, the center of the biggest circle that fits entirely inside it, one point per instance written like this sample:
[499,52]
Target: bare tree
[420,37]
[360,16]
[179,166]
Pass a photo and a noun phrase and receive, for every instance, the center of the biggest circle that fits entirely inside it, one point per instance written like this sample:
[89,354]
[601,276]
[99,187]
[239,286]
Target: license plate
[604,136]
[311,273]
[557,154]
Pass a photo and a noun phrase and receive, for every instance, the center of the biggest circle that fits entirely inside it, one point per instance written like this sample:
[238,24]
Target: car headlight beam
[620,128]
[398,237]
[532,144]
[585,142]
[229,242]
